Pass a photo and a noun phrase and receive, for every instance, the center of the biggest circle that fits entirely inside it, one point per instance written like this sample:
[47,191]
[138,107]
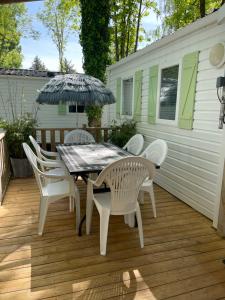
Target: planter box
[21,167]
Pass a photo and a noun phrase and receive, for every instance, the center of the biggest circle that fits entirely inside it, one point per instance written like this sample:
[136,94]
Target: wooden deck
[182,257]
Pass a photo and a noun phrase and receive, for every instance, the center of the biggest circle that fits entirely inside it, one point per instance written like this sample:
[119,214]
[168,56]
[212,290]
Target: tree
[14,24]
[94,37]
[60,21]
[10,50]
[38,65]
[177,14]
[68,67]
[126,30]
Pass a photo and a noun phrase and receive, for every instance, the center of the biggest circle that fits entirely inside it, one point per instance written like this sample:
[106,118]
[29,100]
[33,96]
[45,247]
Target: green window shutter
[187,90]
[118,96]
[61,109]
[152,93]
[137,95]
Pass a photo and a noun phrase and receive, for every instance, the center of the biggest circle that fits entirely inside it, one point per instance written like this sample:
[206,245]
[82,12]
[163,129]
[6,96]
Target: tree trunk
[123,33]
[138,26]
[128,30]
[202,8]
[117,56]
[128,41]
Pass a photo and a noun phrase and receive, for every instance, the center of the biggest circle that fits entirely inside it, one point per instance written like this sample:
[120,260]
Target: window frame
[69,113]
[122,98]
[161,67]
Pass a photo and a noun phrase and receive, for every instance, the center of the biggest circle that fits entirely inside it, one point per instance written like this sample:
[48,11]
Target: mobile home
[169,88]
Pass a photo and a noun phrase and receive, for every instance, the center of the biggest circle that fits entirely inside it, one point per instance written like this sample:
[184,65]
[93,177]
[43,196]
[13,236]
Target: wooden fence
[50,137]
[5,172]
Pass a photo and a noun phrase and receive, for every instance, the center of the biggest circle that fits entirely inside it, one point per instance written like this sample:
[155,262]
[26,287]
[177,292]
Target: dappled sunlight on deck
[182,257]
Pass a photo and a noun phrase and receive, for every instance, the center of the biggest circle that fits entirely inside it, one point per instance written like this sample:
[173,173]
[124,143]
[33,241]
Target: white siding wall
[192,169]
[15,87]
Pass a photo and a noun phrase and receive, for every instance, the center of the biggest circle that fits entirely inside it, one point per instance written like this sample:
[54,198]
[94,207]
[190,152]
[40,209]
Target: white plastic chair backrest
[33,161]
[135,144]
[124,178]
[79,136]
[156,152]
[37,149]
[36,146]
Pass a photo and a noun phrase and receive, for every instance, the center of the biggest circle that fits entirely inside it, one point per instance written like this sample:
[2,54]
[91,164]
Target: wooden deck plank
[182,257]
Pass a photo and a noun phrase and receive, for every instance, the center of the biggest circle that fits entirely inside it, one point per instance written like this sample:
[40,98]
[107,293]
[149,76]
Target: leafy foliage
[17,122]
[17,132]
[38,64]
[178,13]
[94,36]
[121,134]
[10,51]
[68,67]
[94,114]
[60,20]
[14,24]
[126,29]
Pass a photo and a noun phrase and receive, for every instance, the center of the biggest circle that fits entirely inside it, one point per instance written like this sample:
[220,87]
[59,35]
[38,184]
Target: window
[127,97]
[168,93]
[76,108]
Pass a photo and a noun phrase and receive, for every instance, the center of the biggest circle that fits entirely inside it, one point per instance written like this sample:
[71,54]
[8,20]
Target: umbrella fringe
[78,89]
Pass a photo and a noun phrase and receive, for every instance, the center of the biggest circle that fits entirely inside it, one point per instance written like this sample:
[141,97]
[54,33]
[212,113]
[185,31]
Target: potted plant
[17,132]
[94,114]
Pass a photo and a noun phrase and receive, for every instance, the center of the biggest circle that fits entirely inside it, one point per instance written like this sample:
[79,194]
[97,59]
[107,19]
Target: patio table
[89,158]
[83,159]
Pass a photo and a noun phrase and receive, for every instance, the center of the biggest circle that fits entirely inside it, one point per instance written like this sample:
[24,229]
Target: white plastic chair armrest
[125,147]
[50,164]
[92,182]
[98,182]
[95,183]
[56,176]
[50,154]
[44,158]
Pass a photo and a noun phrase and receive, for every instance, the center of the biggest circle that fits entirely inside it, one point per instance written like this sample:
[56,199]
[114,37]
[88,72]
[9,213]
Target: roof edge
[28,73]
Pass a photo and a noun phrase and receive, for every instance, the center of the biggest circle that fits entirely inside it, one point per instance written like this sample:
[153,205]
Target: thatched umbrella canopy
[77,89]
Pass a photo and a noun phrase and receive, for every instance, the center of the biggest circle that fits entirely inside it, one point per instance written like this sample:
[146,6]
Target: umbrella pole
[77,116]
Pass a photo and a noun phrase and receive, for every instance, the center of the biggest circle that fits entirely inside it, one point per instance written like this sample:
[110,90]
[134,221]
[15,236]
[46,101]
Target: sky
[46,50]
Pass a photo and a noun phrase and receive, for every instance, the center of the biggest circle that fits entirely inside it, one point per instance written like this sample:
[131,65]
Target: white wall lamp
[217,55]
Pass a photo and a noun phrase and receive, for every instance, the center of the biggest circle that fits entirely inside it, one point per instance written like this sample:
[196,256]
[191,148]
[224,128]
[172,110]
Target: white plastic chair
[79,136]
[124,178]
[45,155]
[156,152]
[50,190]
[135,144]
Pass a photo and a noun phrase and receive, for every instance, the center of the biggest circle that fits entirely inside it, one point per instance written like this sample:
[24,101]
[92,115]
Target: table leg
[81,224]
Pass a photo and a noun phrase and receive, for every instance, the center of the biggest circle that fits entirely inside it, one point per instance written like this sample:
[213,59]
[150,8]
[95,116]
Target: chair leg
[141,199]
[131,220]
[77,203]
[104,224]
[71,200]
[140,228]
[42,215]
[152,196]
[89,211]
[125,219]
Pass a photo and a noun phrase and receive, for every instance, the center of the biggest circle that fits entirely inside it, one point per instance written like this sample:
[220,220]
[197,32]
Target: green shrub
[94,114]
[17,132]
[121,134]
